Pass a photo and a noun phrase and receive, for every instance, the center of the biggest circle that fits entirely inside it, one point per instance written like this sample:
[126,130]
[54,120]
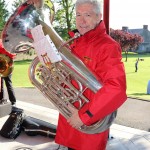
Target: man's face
[86,18]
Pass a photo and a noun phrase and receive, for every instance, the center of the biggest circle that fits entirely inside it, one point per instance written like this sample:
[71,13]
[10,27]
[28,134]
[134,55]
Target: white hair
[96,4]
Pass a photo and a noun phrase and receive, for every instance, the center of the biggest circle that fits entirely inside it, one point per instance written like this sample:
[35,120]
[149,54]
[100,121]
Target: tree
[126,40]
[3,14]
[16,4]
[64,18]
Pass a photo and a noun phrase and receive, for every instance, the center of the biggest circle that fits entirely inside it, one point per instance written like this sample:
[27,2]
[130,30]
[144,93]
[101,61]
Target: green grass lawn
[20,74]
[136,81]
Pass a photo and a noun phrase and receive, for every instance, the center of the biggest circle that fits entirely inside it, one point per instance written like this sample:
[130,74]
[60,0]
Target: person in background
[102,55]
[136,65]
[7,79]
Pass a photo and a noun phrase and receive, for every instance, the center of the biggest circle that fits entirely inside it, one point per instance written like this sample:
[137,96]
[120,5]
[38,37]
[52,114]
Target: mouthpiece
[77,34]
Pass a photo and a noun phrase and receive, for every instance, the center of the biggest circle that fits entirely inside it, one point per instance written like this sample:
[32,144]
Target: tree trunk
[126,53]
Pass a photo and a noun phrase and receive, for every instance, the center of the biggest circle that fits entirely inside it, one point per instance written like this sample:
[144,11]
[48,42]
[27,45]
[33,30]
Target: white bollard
[148,87]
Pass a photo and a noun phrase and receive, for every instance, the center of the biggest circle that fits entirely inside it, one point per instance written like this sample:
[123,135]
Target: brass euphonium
[55,81]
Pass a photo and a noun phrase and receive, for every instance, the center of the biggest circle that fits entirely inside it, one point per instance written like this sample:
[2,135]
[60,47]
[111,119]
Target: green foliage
[3,14]
[15,4]
[64,17]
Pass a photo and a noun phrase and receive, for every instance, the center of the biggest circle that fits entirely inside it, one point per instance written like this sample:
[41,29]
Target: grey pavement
[124,137]
[133,113]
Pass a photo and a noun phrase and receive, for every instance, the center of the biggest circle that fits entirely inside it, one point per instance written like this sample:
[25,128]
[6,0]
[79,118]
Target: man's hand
[74,120]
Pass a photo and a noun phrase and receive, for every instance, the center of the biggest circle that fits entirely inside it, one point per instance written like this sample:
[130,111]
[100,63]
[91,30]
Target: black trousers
[10,90]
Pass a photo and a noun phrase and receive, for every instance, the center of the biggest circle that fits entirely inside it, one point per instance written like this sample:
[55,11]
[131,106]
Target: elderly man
[102,55]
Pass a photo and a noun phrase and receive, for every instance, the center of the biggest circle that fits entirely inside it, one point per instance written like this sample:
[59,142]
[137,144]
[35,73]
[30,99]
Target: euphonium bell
[17,29]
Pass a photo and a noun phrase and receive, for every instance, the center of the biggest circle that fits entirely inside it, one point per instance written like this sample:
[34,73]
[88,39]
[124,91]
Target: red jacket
[103,56]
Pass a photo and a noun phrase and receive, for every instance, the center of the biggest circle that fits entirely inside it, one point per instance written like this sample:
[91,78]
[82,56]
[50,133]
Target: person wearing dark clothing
[7,78]
[10,90]
[136,65]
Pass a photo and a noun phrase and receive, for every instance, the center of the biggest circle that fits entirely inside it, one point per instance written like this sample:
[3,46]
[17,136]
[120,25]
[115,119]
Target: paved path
[133,113]
[125,138]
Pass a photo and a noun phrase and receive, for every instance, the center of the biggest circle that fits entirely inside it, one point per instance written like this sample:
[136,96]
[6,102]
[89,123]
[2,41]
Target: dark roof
[145,33]
[134,31]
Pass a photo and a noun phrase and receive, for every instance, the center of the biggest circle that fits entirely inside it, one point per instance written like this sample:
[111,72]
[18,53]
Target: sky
[131,13]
